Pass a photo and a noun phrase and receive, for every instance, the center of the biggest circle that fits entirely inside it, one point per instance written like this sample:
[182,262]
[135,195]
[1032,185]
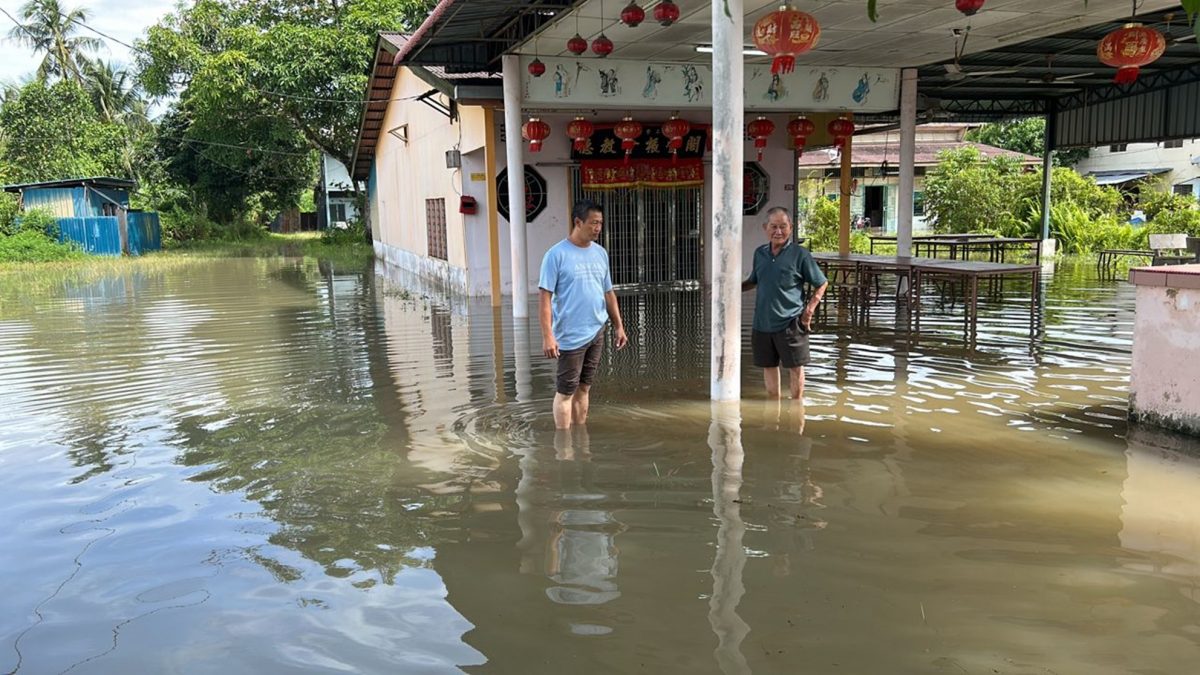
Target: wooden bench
[1167,249]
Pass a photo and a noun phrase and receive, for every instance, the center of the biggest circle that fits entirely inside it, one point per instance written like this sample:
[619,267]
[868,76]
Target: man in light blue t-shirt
[576,300]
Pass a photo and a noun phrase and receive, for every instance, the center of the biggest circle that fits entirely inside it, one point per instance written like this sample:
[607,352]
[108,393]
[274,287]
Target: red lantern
[577,45]
[666,13]
[628,131]
[785,34]
[536,67]
[580,131]
[759,130]
[675,130]
[968,7]
[602,46]
[535,131]
[633,15]
[1130,47]
[841,129]
[800,129]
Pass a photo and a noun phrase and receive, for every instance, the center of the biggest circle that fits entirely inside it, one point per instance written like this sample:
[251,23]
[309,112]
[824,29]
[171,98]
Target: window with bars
[435,227]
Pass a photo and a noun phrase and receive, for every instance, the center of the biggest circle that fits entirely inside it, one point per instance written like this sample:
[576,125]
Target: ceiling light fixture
[746,51]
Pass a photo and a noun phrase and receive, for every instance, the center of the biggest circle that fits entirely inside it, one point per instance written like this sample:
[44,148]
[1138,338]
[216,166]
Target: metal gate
[653,235]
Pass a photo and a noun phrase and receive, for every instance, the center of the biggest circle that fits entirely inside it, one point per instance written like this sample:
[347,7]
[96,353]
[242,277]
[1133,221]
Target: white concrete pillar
[728,131]
[1048,170]
[908,152]
[515,147]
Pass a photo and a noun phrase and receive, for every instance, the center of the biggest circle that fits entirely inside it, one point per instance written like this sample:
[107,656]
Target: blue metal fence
[145,233]
[100,235]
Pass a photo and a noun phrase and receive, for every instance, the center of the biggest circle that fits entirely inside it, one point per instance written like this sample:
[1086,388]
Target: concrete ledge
[1170,276]
[438,275]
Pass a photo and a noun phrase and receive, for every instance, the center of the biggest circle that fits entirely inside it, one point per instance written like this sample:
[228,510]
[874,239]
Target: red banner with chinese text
[607,174]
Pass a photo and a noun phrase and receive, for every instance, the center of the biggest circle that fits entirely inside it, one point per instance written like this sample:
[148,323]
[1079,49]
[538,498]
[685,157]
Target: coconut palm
[47,28]
[114,93]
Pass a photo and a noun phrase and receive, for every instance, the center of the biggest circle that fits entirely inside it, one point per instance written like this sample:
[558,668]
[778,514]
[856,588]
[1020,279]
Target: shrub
[355,233]
[39,220]
[179,225]
[32,245]
[9,208]
[821,224]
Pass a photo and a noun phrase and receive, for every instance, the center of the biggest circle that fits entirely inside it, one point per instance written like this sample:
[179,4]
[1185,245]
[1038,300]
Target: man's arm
[748,285]
[614,315]
[811,308]
[549,344]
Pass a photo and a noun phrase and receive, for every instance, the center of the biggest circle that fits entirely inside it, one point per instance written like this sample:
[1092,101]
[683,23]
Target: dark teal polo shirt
[780,294]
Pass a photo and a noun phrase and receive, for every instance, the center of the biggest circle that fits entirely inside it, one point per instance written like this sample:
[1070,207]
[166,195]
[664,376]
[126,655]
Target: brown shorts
[578,366]
[788,347]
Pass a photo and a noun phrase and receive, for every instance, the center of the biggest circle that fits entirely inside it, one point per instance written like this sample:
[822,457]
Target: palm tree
[49,29]
[114,93]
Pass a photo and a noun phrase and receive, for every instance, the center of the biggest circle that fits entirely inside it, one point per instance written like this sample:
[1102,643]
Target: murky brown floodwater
[271,467]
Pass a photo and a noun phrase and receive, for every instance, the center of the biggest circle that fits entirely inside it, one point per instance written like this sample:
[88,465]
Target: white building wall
[1183,163]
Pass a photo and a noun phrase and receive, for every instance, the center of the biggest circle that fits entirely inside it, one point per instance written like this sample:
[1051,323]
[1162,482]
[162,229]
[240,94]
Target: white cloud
[125,20]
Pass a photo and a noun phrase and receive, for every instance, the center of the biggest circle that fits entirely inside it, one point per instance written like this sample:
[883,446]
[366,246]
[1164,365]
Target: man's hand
[550,347]
[621,338]
[806,319]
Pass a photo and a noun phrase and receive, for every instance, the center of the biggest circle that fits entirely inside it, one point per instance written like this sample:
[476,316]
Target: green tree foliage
[821,217]
[51,131]
[299,62]
[50,28]
[967,193]
[1026,135]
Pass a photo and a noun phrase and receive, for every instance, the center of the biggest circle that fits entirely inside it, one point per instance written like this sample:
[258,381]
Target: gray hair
[779,209]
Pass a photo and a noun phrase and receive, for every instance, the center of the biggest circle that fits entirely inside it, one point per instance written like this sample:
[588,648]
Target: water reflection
[336,472]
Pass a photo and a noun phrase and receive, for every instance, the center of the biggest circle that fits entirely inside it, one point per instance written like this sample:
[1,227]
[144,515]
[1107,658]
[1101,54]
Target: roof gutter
[426,27]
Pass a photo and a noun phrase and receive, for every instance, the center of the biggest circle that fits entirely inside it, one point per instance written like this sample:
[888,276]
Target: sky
[125,20]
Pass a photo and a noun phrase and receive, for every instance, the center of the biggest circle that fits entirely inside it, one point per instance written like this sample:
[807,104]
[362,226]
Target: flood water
[273,466]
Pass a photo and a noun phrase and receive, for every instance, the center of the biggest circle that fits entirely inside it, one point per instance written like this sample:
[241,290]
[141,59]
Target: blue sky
[126,20]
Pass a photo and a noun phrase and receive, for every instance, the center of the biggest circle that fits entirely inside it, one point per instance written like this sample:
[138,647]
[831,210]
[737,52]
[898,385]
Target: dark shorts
[788,347]
[578,366]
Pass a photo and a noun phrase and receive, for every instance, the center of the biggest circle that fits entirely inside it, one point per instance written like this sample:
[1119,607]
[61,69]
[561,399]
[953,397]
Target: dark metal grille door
[653,235]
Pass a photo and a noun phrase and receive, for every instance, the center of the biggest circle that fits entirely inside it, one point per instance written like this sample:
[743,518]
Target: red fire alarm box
[466,204]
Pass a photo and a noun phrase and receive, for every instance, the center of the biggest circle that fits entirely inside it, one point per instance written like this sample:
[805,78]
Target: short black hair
[582,208]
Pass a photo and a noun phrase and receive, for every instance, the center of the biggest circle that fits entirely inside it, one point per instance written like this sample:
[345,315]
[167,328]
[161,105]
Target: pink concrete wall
[1165,383]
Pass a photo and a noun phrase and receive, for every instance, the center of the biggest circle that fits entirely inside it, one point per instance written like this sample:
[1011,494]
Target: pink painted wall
[1164,389]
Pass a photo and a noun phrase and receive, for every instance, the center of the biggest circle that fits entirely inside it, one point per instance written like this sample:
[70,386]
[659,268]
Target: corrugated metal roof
[98,181]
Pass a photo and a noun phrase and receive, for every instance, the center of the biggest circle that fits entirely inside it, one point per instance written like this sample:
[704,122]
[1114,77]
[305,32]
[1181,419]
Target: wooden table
[996,247]
[969,273]
[892,239]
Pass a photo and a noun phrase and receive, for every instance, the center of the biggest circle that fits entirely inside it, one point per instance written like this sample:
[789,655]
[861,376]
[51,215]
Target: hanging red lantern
[666,13]
[675,130]
[1130,47]
[785,34]
[602,46]
[841,129]
[577,45]
[633,15]
[800,129]
[536,67]
[968,7]
[535,131]
[628,131]
[759,130]
[580,131]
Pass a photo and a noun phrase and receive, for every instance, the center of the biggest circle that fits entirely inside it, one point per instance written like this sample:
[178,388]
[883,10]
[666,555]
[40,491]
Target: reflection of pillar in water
[725,440]
[581,554]
[1161,510]
[521,350]
[498,353]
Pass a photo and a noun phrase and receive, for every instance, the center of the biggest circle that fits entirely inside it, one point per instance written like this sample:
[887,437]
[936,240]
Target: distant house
[95,213]
[1176,164]
[335,194]
[875,169]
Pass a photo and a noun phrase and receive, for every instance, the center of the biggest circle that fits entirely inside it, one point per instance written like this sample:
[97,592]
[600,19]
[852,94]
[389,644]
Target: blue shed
[94,212]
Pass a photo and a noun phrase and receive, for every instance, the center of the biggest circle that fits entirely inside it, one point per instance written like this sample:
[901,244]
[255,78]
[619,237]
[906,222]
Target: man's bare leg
[579,404]
[771,379]
[562,411]
[797,383]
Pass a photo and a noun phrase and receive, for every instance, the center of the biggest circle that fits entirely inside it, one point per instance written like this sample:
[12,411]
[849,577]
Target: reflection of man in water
[797,499]
[581,554]
[576,301]
[782,312]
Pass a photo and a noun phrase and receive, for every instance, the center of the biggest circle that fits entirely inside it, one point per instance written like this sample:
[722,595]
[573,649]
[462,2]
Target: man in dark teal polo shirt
[782,312]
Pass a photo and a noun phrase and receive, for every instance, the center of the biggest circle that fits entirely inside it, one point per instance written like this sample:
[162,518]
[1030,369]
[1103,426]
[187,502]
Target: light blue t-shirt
[578,277]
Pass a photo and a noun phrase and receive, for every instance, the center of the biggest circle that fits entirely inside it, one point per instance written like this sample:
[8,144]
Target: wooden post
[493,215]
[845,190]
